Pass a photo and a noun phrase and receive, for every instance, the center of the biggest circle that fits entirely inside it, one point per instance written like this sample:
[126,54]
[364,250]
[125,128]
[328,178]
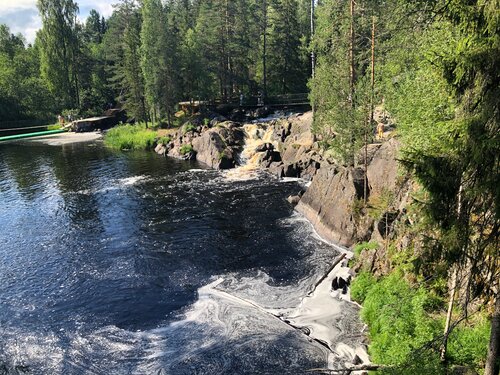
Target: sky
[22,15]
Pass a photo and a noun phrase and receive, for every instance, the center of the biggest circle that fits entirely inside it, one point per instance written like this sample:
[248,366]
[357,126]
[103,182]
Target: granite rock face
[218,147]
[329,202]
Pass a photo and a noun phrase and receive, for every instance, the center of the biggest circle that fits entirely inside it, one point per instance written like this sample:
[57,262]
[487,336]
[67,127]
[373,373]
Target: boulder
[265,147]
[218,146]
[161,149]
[329,203]
[383,168]
[293,199]
[237,114]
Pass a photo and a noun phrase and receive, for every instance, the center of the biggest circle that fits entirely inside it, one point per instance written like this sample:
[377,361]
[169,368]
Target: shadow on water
[93,238]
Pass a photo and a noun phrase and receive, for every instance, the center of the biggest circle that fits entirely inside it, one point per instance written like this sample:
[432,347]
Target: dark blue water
[105,259]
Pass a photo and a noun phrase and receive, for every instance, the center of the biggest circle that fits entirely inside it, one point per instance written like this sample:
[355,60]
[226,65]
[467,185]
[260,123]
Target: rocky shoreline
[287,148]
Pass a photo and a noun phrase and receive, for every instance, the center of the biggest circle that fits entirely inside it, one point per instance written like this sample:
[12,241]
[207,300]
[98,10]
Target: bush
[359,248]
[188,128]
[130,137]
[165,140]
[361,285]
[469,345]
[398,318]
[186,149]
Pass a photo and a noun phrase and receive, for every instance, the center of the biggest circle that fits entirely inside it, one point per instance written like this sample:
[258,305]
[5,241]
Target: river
[130,263]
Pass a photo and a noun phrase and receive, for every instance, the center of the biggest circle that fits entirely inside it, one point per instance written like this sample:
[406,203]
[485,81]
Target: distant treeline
[151,54]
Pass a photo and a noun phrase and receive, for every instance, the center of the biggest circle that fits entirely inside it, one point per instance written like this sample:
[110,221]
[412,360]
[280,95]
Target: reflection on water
[107,261]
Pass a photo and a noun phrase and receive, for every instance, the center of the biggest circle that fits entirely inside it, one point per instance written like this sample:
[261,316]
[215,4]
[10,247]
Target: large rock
[329,203]
[218,147]
[383,168]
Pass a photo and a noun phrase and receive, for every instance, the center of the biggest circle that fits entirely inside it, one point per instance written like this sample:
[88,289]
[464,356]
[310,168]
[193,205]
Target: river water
[130,263]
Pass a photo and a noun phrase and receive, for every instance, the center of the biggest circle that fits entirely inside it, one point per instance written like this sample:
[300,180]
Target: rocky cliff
[287,148]
[332,202]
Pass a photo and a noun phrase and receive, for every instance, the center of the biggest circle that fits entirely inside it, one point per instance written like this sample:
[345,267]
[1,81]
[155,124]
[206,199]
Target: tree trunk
[264,47]
[351,58]
[313,56]
[372,98]
[493,359]
[447,331]
[368,125]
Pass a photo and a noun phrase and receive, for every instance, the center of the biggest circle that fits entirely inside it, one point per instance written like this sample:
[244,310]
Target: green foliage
[188,128]
[468,345]
[398,318]
[186,149]
[360,247]
[165,140]
[54,127]
[380,203]
[406,325]
[60,55]
[360,286]
[130,137]
[157,60]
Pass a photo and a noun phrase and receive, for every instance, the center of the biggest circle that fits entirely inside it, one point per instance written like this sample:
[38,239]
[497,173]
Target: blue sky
[22,16]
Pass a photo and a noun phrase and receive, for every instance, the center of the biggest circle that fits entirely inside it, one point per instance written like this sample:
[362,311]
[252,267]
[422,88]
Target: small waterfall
[249,159]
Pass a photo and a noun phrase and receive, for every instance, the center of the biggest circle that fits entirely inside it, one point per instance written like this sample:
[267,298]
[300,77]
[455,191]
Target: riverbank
[333,200]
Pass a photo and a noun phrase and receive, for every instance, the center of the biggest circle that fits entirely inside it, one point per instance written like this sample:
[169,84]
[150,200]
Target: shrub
[165,140]
[188,128]
[397,317]
[130,137]
[359,248]
[186,149]
[361,285]
[469,345]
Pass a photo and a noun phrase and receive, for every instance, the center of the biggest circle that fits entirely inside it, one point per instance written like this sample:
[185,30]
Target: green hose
[28,135]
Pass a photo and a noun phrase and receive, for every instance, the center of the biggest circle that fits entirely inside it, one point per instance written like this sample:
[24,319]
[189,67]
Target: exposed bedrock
[331,202]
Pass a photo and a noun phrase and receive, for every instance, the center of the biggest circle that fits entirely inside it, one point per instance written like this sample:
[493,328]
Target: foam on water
[233,279]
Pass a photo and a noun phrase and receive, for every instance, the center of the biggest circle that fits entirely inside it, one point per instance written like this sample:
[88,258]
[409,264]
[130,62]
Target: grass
[130,137]
[54,127]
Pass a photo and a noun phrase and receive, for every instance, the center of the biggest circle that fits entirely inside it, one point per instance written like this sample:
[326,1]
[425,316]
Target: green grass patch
[54,127]
[359,248]
[130,137]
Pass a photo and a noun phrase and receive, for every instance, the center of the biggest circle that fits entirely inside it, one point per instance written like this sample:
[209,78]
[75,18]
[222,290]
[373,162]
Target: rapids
[130,263]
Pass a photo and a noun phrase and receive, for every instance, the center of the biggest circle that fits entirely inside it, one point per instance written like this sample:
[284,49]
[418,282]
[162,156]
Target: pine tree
[286,73]
[122,44]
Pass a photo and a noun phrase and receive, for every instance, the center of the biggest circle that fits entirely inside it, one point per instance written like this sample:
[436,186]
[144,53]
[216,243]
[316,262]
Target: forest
[148,56]
[432,65]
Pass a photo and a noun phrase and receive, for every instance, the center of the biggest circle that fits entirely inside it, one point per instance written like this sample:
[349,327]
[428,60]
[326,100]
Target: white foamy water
[249,160]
